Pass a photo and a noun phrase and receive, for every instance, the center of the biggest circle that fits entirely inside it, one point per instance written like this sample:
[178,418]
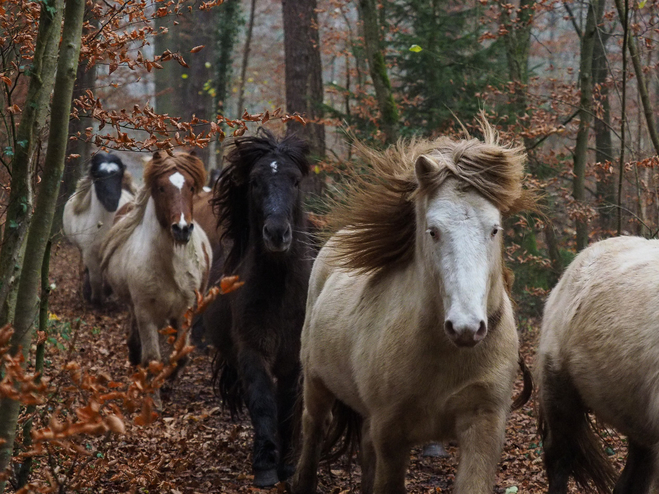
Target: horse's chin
[277,248]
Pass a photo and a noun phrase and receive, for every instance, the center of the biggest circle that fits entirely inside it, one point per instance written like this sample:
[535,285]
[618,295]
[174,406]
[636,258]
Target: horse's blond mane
[161,164]
[375,217]
[82,197]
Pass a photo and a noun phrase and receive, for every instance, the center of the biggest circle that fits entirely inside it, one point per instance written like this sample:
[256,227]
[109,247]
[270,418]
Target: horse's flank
[375,216]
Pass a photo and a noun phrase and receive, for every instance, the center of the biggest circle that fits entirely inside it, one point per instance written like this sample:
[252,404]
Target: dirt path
[195,447]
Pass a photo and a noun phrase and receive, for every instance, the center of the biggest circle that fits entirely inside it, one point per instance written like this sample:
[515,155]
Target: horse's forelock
[162,164]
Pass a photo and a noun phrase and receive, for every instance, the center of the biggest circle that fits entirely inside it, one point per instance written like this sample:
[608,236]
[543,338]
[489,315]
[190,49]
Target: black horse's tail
[344,434]
[227,383]
[527,390]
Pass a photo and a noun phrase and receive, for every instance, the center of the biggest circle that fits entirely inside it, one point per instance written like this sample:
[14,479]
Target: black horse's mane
[231,191]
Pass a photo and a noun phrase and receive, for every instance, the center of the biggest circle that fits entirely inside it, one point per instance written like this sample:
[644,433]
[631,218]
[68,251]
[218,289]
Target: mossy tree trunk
[39,232]
[33,118]
[378,69]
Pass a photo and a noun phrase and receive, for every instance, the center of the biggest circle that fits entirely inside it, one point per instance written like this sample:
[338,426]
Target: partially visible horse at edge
[154,257]
[89,215]
[256,329]
[409,326]
[599,354]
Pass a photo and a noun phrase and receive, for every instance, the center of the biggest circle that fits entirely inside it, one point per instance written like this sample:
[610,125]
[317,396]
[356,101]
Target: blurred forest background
[575,82]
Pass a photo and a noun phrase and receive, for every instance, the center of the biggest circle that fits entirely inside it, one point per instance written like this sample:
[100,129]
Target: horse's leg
[260,391]
[318,401]
[367,458]
[392,454]
[636,477]
[287,394]
[148,332]
[480,436]
[95,279]
[134,344]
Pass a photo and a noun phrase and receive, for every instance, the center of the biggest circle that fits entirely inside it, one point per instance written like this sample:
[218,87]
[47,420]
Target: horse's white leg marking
[481,437]
[177,179]
[148,335]
[318,403]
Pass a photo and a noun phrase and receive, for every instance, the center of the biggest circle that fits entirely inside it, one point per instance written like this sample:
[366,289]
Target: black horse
[256,329]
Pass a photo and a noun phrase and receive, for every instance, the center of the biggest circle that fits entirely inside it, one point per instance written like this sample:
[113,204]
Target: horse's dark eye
[433,232]
[191,189]
[161,189]
[495,230]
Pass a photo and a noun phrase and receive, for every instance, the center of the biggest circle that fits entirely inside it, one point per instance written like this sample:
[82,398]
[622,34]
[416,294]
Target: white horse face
[461,241]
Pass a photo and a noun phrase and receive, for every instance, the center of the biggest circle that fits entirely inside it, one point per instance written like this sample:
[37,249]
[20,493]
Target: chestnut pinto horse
[408,322]
[599,354]
[89,214]
[256,329]
[154,258]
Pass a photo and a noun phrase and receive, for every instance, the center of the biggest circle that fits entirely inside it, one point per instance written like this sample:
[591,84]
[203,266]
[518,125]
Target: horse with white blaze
[154,256]
[89,214]
[409,327]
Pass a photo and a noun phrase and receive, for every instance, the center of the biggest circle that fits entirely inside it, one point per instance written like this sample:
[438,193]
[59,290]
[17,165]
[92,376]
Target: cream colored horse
[599,351]
[408,320]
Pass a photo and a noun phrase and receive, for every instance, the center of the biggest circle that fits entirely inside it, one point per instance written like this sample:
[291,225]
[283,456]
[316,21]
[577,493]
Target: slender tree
[304,77]
[245,61]
[378,69]
[39,232]
[42,78]
[588,38]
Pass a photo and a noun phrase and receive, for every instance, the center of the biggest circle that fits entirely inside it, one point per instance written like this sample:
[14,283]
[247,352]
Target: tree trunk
[33,118]
[304,78]
[585,116]
[378,68]
[28,288]
[603,145]
[243,68]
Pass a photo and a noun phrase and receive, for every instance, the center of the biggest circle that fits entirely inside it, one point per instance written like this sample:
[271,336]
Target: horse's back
[600,328]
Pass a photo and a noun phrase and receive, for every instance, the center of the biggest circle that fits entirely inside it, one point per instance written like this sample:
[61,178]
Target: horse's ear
[157,155]
[193,153]
[424,169]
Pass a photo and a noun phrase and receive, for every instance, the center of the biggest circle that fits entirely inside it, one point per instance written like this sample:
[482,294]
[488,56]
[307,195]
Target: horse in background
[599,354]
[89,214]
[256,329]
[409,328]
[154,258]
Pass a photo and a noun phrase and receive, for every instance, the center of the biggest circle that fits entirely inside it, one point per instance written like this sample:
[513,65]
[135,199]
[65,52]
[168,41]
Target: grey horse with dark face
[89,214]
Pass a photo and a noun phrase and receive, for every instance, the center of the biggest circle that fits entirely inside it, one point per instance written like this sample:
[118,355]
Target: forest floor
[194,447]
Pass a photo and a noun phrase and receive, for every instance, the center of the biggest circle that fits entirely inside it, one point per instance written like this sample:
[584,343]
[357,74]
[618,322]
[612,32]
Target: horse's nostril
[448,325]
[175,227]
[482,331]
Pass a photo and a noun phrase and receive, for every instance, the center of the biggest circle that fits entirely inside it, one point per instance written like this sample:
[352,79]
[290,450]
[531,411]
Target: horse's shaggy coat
[256,329]
[383,333]
[154,258]
[599,352]
[89,214]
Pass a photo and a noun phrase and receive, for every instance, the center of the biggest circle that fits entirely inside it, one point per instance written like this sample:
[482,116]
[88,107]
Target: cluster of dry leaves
[96,431]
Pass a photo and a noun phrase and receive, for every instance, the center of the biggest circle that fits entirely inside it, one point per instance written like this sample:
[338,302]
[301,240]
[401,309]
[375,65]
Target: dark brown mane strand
[375,218]
[230,200]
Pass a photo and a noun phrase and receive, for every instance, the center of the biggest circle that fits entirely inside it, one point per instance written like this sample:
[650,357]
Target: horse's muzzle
[182,234]
[277,238]
[465,335]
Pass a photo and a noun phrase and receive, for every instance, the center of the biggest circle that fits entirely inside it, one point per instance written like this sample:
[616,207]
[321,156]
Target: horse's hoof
[265,478]
[434,450]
